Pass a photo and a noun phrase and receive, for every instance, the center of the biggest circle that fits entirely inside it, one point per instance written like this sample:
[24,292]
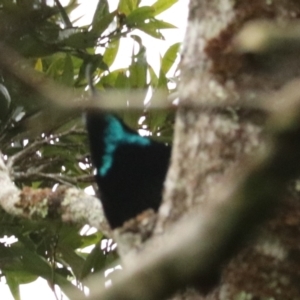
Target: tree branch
[62,96]
[34,146]
[67,204]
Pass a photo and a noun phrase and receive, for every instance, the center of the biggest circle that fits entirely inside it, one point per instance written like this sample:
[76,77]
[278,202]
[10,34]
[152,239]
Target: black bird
[130,169]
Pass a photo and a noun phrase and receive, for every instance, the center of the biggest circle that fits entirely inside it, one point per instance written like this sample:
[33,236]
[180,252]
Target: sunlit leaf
[127,6]
[122,81]
[68,71]
[162,5]
[116,79]
[138,76]
[91,239]
[153,76]
[109,79]
[138,68]
[150,29]
[38,65]
[162,80]
[170,57]
[162,25]
[111,52]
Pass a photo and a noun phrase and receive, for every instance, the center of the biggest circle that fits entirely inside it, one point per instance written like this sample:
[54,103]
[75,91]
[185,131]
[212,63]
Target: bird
[130,168]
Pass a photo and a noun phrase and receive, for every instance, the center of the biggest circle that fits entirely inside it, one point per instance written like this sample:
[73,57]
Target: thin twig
[34,146]
[56,177]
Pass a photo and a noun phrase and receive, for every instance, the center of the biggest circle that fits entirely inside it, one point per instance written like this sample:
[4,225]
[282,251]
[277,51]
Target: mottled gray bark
[217,126]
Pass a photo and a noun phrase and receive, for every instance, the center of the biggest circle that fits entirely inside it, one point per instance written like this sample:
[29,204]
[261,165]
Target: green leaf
[55,67]
[138,69]
[95,261]
[48,33]
[68,72]
[169,57]
[162,5]
[80,40]
[91,239]
[31,47]
[157,119]
[75,261]
[20,276]
[108,80]
[69,236]
[39,65]
[127,6]
[101,11]
[162,80]
[150,29]
[96,61]
[100,25]
[67,287]
[161,121]
[111,52]
[122,81]
[40,267]
[63,14]
[138,76]
[116,79]
[36,184]
[153,76]
[13,285]
[161,24]
[131,117]
[72,5]
[139,15]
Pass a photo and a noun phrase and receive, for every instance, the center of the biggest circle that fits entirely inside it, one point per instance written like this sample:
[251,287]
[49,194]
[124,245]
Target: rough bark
[216,129]
[65,204]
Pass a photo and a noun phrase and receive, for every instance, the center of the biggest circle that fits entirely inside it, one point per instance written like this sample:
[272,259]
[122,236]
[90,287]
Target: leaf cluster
[46,142]
[48,250]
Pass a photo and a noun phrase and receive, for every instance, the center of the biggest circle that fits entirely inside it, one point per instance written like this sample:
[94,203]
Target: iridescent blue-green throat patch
[116,135]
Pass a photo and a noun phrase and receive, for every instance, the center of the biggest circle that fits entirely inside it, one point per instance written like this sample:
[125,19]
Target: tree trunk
[217,127]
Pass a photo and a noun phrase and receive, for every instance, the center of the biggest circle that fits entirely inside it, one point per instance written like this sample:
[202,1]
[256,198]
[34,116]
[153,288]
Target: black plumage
[130,168]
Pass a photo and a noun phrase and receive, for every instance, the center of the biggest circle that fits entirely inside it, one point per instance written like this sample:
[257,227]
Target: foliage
[52,138]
